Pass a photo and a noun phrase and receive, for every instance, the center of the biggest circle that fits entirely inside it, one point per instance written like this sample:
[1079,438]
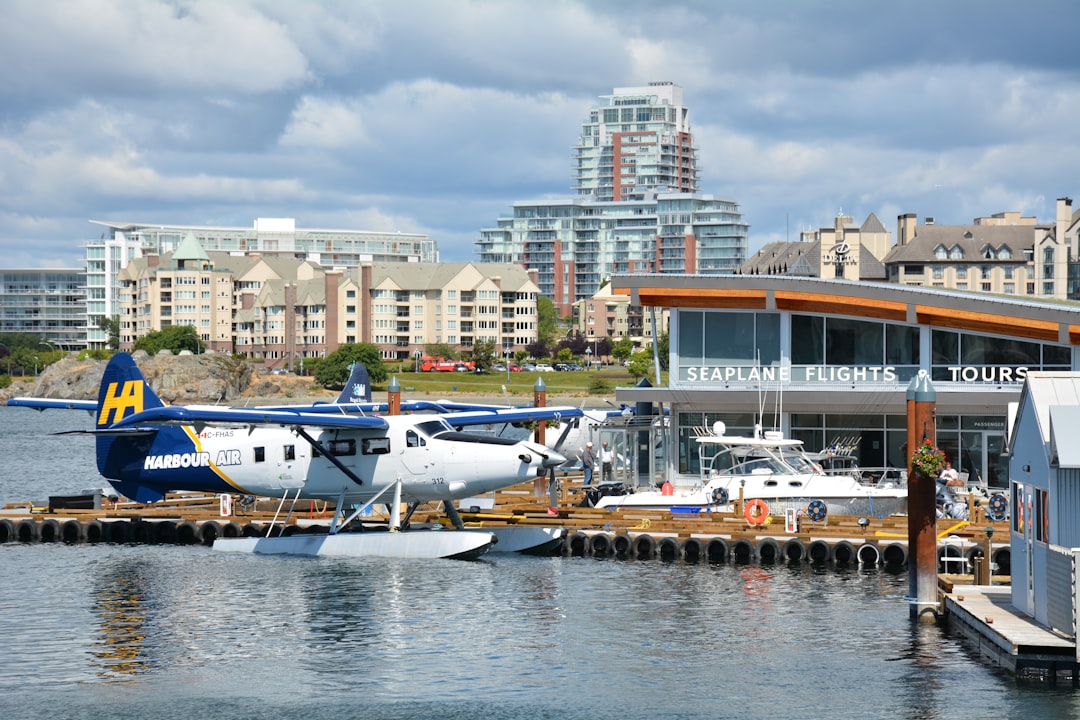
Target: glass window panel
[983,350]
[729,338]
[768,338]
[945,347]
[807,340]
[1055,355]
[807,420]
[901,345]
[853,342]
[691,341]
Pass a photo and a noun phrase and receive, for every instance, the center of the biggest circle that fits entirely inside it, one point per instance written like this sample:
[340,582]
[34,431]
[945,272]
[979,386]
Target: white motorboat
[772,474]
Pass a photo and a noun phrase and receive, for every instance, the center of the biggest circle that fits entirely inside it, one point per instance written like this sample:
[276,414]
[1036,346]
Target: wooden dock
[1007,638]
[627,534]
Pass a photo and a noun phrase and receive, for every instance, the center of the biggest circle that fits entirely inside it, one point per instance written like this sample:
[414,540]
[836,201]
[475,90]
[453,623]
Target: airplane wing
[194,415]
[511,415]
[53,404]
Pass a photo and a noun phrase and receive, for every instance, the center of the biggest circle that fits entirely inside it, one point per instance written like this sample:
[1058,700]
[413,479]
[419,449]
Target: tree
[664,348]
[111,327]
[484,354]
[575,343]
[440,350]
[623,348]
[174,337]
[333,371]
[641,364]
[538,349]
[547,321]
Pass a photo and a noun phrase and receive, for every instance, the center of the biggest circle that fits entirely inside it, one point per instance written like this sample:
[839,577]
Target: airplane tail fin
[123,392]
[358,387]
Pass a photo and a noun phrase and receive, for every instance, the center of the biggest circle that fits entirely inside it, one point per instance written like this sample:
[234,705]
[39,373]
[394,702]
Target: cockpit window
[431,428]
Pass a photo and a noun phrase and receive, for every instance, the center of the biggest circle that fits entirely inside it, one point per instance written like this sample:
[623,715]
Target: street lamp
[508,366]
[35,365]
[588,358]
[417,361]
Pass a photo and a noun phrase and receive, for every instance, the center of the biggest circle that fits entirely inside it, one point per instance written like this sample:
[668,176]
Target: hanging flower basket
[928,460]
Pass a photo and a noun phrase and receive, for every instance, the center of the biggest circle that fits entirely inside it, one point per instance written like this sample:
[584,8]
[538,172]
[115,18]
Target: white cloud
[432,116]
[147,46]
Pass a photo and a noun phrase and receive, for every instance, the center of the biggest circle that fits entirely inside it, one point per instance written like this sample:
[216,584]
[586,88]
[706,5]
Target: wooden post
[393,396]
[540,483]
[922,509]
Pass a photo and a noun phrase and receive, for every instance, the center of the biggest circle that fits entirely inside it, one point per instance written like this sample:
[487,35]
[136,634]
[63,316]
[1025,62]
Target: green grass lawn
[520,384]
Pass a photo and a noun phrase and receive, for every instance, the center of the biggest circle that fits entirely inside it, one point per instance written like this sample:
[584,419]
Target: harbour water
[180,631]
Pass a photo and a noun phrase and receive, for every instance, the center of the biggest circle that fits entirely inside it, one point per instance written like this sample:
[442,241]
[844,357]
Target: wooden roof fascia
[836,305]
[703,298]
[1026,328]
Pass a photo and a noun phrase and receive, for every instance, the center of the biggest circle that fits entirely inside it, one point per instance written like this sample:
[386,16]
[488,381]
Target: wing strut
[356,513]
[329,456]
[281,504]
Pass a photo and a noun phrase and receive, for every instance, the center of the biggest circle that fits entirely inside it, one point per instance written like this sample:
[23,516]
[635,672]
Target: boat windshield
[735,460]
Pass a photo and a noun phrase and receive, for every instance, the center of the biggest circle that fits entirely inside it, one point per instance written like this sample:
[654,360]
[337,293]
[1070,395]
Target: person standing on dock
[606,458]
[588,461]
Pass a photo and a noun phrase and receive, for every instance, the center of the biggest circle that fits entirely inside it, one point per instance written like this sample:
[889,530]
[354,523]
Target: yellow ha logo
[128,398]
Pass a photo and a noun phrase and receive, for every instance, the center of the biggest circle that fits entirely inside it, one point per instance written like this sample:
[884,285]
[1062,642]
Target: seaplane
[341,452]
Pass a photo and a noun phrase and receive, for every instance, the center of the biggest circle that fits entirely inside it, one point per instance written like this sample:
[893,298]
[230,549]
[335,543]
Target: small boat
[772,475]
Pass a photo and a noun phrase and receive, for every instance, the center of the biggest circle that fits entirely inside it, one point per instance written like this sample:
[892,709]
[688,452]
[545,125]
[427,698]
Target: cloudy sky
[433,116]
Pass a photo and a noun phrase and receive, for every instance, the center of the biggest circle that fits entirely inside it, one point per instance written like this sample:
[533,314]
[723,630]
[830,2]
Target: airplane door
[415,453]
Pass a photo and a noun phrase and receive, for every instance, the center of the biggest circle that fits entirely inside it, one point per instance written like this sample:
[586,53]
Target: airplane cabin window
[413,440]
[260,454]
[290,452]
[343,447]
[432,428]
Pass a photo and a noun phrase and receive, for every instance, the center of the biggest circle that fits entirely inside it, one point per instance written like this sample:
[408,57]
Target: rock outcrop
[177,379]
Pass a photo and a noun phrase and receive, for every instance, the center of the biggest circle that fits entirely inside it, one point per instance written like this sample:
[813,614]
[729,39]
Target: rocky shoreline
[215,378]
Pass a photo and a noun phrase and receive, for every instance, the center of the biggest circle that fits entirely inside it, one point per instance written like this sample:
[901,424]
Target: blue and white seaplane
[334,452]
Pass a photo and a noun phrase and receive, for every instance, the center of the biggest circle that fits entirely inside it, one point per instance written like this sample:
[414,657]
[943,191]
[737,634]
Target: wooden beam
[984,322]
[703,298]
[837,305]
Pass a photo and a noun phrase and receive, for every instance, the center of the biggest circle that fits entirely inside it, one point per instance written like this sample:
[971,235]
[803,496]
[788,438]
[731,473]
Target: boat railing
[879,476]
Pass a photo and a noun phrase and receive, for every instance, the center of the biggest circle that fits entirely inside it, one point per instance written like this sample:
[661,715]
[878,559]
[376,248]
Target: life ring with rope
[817,510]
[756,512]
[998,507]
[720,496]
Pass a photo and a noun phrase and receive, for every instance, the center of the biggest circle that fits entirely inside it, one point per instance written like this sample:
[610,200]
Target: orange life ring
[756,511]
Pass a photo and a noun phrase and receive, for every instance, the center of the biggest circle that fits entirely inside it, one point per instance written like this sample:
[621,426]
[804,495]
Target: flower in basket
[928,460]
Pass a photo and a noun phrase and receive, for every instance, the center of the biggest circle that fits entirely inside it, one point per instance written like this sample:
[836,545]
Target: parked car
[574,366]
[561,367]
[515,368]
[544,367]
[498,368]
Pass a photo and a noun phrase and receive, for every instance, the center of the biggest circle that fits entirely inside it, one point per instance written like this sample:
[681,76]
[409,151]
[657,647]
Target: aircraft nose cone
[553,459]
[546,458]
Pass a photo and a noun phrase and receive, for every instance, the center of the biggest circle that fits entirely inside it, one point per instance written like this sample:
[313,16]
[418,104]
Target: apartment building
[282,310]
[637,206]
[49,303]
[456,304]
[1004,253]
[610,315]
[267,237]
[638,142]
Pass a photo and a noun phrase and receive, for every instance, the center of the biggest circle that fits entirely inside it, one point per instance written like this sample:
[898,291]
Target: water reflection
[120,604]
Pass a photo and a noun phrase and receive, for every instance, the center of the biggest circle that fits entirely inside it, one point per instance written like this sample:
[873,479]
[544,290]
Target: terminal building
[829,362]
